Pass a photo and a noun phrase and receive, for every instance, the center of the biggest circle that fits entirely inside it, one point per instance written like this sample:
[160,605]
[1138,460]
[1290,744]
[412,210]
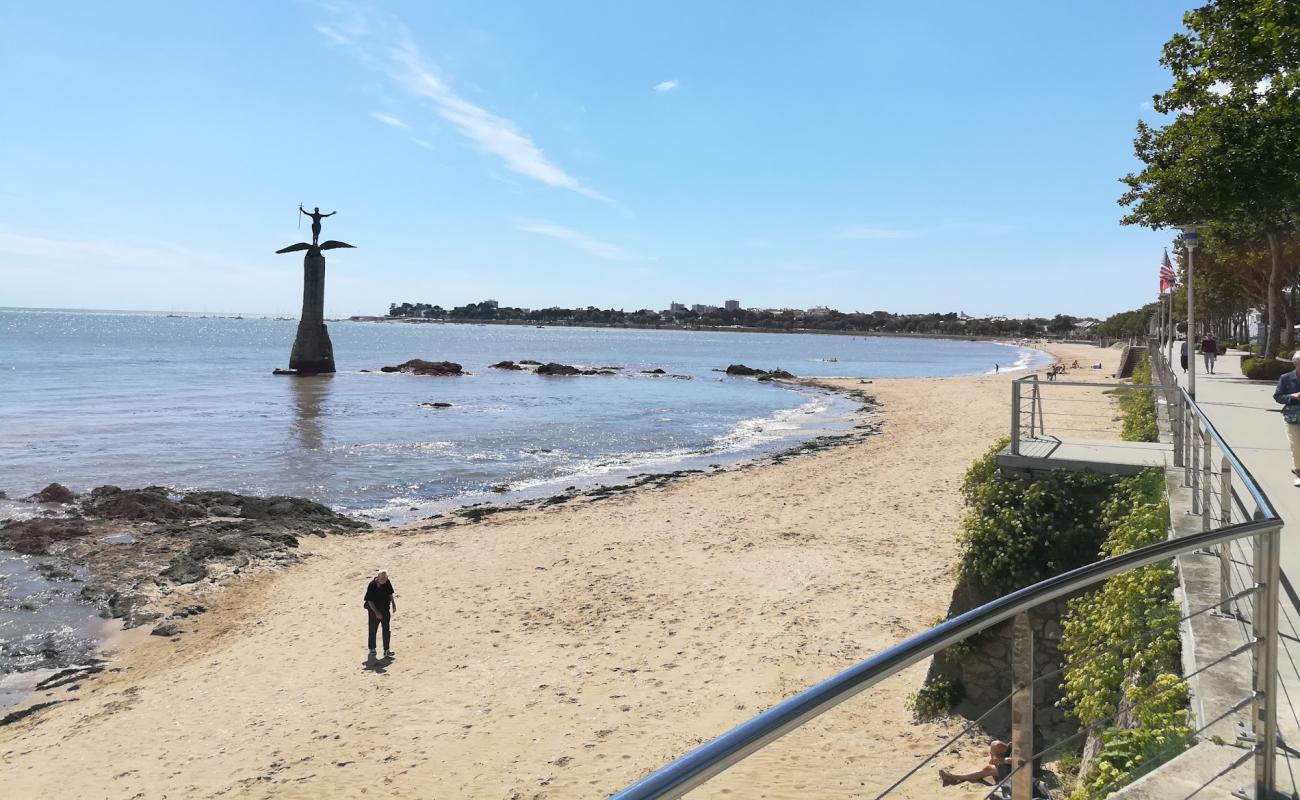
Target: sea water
[133,399]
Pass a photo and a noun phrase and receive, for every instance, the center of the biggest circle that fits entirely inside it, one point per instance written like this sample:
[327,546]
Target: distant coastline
[728,329]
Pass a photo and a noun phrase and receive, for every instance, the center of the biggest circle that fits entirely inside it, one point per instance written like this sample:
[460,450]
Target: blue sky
[928,156]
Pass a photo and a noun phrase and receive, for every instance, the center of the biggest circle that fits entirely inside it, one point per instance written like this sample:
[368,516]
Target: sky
[909,157]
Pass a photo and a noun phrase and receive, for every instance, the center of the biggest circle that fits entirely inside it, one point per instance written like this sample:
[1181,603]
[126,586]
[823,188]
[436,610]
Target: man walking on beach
[380,604]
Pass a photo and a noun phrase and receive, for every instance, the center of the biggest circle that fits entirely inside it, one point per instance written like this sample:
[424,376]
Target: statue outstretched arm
[332,213]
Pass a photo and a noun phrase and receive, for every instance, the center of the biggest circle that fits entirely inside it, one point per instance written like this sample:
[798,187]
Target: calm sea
[88,398]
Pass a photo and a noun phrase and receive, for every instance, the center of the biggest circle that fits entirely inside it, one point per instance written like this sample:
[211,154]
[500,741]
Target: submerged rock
[655,371]
[54,493]
[435,405]
[418,366]
[506,365]
[531,362]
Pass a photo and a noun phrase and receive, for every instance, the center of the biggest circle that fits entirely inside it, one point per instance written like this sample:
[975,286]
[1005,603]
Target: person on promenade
[998,766]
[1209,351]
[380,604]
[1182,358]
[1288,394]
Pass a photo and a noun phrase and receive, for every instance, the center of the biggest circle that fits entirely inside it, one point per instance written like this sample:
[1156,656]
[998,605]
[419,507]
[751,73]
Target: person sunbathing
[999,765]
[1075,365]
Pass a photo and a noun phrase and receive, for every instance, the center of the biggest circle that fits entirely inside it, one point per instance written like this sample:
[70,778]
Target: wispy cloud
[389,119]
[582,241]
[384,44]
[667,86]
[871,233]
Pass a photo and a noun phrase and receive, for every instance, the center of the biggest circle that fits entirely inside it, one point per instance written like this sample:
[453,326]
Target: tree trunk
[1273,343]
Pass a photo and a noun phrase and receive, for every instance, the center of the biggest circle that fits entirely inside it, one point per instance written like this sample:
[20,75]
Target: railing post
[1265,629]
[1225,548]
[1196,469]
[1207,471]
[1015,417]
[1022,708]
[1176,425]
[1036,408]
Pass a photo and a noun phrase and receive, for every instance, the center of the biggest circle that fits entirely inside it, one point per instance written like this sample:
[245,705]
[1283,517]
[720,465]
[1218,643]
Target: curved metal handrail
[701,764]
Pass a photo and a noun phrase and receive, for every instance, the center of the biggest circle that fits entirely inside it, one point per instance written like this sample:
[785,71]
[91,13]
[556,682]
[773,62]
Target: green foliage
[1138,406]
[935,699]
[1021,532]
[1121,649]
[1264,369]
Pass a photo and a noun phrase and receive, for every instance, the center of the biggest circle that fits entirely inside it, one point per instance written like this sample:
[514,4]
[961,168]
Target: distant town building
[818,311]
[732,305]
[677,307]
[491,303]
[702,308]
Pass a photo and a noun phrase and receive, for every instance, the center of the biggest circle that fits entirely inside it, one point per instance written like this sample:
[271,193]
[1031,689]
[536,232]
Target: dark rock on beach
[741,369]
[418,366]
[54,493]
[506,365]
[166,629]
[149,504]
[34,537]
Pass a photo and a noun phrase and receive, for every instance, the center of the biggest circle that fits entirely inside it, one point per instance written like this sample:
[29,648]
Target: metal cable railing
[1220,498]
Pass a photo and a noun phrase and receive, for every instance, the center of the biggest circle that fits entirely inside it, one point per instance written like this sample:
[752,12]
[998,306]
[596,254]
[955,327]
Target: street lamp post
[1189,239]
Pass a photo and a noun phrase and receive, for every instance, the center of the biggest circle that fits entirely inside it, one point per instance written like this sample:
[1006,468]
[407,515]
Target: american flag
[1167,274]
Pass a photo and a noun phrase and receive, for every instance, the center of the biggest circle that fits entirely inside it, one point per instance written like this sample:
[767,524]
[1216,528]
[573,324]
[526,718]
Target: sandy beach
[561,652]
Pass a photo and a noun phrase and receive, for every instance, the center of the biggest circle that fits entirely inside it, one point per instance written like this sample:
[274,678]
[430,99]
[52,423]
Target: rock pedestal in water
[313,353]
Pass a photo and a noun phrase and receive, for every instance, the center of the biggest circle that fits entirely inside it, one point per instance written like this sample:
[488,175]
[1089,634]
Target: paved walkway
[1246,416]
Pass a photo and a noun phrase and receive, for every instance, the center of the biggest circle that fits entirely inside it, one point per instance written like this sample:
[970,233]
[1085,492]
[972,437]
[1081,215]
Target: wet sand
[564,651]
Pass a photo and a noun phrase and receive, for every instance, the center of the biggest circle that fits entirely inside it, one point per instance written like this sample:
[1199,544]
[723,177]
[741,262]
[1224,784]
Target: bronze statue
[316,217]
[313,353]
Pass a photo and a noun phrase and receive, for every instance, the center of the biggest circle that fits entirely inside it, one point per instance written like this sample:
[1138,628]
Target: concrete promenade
[1244,413]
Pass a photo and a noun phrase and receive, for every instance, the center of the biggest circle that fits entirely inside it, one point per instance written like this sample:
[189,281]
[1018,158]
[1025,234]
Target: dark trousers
[374,625]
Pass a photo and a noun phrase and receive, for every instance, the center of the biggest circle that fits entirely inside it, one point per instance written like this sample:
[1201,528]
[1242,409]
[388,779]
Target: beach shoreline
[558,651]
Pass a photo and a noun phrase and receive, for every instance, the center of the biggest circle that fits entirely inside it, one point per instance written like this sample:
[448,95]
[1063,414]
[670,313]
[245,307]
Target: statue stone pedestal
[313,353]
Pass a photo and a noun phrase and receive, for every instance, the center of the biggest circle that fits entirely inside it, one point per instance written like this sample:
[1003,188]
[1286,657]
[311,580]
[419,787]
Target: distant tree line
[952,323]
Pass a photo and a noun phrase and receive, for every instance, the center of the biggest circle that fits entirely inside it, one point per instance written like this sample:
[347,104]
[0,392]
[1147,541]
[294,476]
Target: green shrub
[1138,406]
[1264,369]
[1021,532]
[935,699]
[1121,648]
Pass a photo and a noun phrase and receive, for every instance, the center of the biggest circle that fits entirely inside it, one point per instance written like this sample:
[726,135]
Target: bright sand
[564,652]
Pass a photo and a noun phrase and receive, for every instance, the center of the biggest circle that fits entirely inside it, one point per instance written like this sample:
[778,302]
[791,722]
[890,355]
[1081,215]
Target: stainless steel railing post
[1265,629]
[1015,417]
[1225,552]
[1022,708]
[1196,469]
[1205,482]
[1175,406]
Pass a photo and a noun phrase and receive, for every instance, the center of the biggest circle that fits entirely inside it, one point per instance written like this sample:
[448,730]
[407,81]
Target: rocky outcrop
[655,371]
[54,493]
[34,537]
[435,405]
[506,365]
[568,369]
[418,366]
[148,504]
[531,362]
[761,374]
